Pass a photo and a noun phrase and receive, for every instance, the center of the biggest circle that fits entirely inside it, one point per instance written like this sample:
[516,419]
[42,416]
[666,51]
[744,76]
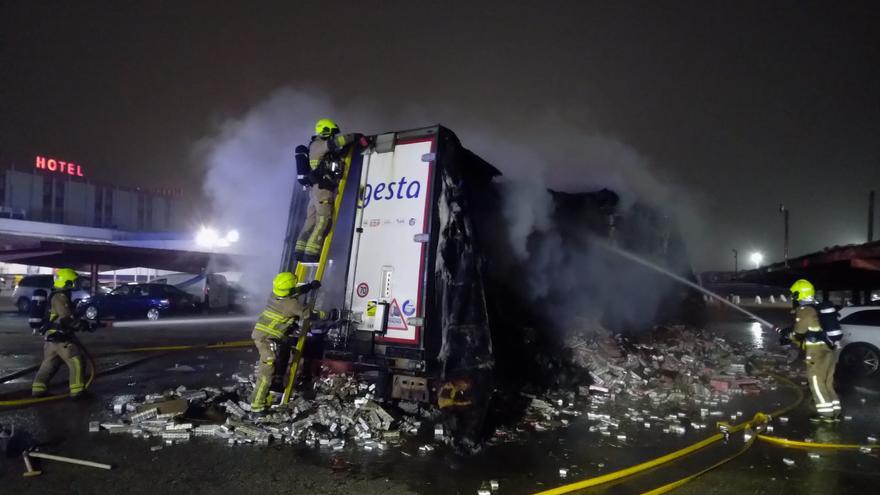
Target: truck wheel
[861,360]
[153,314]
[23,304]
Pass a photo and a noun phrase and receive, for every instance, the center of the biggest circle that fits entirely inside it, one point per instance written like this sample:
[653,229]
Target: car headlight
[92,313]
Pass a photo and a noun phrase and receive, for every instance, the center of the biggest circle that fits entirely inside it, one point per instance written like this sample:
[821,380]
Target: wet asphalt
[524,462]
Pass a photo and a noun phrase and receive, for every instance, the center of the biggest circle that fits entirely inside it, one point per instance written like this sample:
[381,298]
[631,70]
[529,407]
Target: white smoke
[250,172]
[250,175]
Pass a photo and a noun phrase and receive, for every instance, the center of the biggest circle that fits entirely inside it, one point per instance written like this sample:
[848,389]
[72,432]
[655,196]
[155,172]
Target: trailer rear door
[386,283]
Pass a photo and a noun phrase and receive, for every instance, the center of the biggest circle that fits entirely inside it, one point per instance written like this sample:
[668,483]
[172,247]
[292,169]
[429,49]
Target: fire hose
[765,438]
[758,420]
[93,372]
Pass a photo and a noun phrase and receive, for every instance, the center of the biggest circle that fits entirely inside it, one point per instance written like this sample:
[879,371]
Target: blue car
[148,301]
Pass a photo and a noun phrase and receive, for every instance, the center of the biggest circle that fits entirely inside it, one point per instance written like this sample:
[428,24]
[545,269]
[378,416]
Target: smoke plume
[250,176]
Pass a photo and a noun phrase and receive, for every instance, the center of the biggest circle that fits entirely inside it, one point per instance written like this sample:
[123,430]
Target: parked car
[860,357]
[209,290]
[150,301]
[239,298]
[24,291]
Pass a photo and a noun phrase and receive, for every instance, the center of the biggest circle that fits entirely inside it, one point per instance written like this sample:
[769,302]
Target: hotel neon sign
[58,166]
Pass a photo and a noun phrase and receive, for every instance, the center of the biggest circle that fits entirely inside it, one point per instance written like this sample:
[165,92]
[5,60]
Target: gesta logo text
[401,189]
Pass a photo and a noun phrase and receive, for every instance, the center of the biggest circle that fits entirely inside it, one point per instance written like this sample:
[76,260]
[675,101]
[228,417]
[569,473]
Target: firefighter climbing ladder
[302,272]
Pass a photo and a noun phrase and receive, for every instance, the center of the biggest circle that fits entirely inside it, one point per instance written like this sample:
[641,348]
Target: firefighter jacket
[62,322]
[281,316]
[807,330]
[325,159]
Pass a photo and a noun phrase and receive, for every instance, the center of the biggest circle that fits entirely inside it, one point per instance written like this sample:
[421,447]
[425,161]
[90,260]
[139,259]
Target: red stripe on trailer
[418,330]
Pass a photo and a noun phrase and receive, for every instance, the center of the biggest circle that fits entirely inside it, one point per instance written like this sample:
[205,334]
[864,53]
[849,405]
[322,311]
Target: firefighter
[276,330]
[320,167]
[817,331]
[60,343]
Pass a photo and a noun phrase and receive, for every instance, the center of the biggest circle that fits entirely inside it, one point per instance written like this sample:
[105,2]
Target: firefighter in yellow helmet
[60,343]
[817,331]
[276,329]
[320,166]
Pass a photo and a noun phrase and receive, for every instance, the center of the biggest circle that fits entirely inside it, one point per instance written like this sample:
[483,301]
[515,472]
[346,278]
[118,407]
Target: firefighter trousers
[53,354]
[821,362]
[318,219]
[274,356]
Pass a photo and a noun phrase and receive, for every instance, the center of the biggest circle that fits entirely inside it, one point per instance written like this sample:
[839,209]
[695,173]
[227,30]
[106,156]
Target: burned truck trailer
[419,264]
[404,266]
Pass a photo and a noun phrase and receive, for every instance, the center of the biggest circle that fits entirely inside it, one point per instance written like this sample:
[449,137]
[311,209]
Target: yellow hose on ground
[93,368]
[48,398]
[759,418]
[814,445]
[675,484]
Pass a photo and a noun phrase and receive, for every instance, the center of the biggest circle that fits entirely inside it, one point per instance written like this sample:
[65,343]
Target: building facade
[47,196]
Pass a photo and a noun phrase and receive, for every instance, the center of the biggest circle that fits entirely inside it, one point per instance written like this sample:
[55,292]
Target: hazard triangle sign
[396,320]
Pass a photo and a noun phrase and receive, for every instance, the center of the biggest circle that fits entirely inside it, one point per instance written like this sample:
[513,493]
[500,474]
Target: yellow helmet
[325,128]
[284,283]
[803,289]
[64,278]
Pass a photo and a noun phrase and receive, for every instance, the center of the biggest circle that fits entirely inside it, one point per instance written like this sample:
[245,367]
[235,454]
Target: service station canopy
[851,267]
[56,245]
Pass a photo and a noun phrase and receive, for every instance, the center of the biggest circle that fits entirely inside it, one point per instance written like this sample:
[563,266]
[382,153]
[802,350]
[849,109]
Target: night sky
[743,105]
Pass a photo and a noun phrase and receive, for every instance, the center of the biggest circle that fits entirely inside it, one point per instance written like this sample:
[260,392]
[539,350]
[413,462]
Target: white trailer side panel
[387,264]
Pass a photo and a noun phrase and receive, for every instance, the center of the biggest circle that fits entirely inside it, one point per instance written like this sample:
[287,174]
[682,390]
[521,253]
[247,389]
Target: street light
[208,237]
[757,258]
[784,211]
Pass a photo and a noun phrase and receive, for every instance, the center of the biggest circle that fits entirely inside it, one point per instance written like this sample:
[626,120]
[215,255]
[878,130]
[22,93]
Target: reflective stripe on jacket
[279,316]
[808,327]
[61,318]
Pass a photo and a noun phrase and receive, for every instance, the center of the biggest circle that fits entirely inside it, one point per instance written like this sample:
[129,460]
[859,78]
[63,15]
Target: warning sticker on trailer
[363,289]
[396,320]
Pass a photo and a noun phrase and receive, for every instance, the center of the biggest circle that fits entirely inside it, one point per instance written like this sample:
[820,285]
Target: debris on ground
[673,380]
[340,411]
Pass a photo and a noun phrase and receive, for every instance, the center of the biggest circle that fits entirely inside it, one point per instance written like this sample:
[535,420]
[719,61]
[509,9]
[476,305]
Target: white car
[860,357]
[24,291]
